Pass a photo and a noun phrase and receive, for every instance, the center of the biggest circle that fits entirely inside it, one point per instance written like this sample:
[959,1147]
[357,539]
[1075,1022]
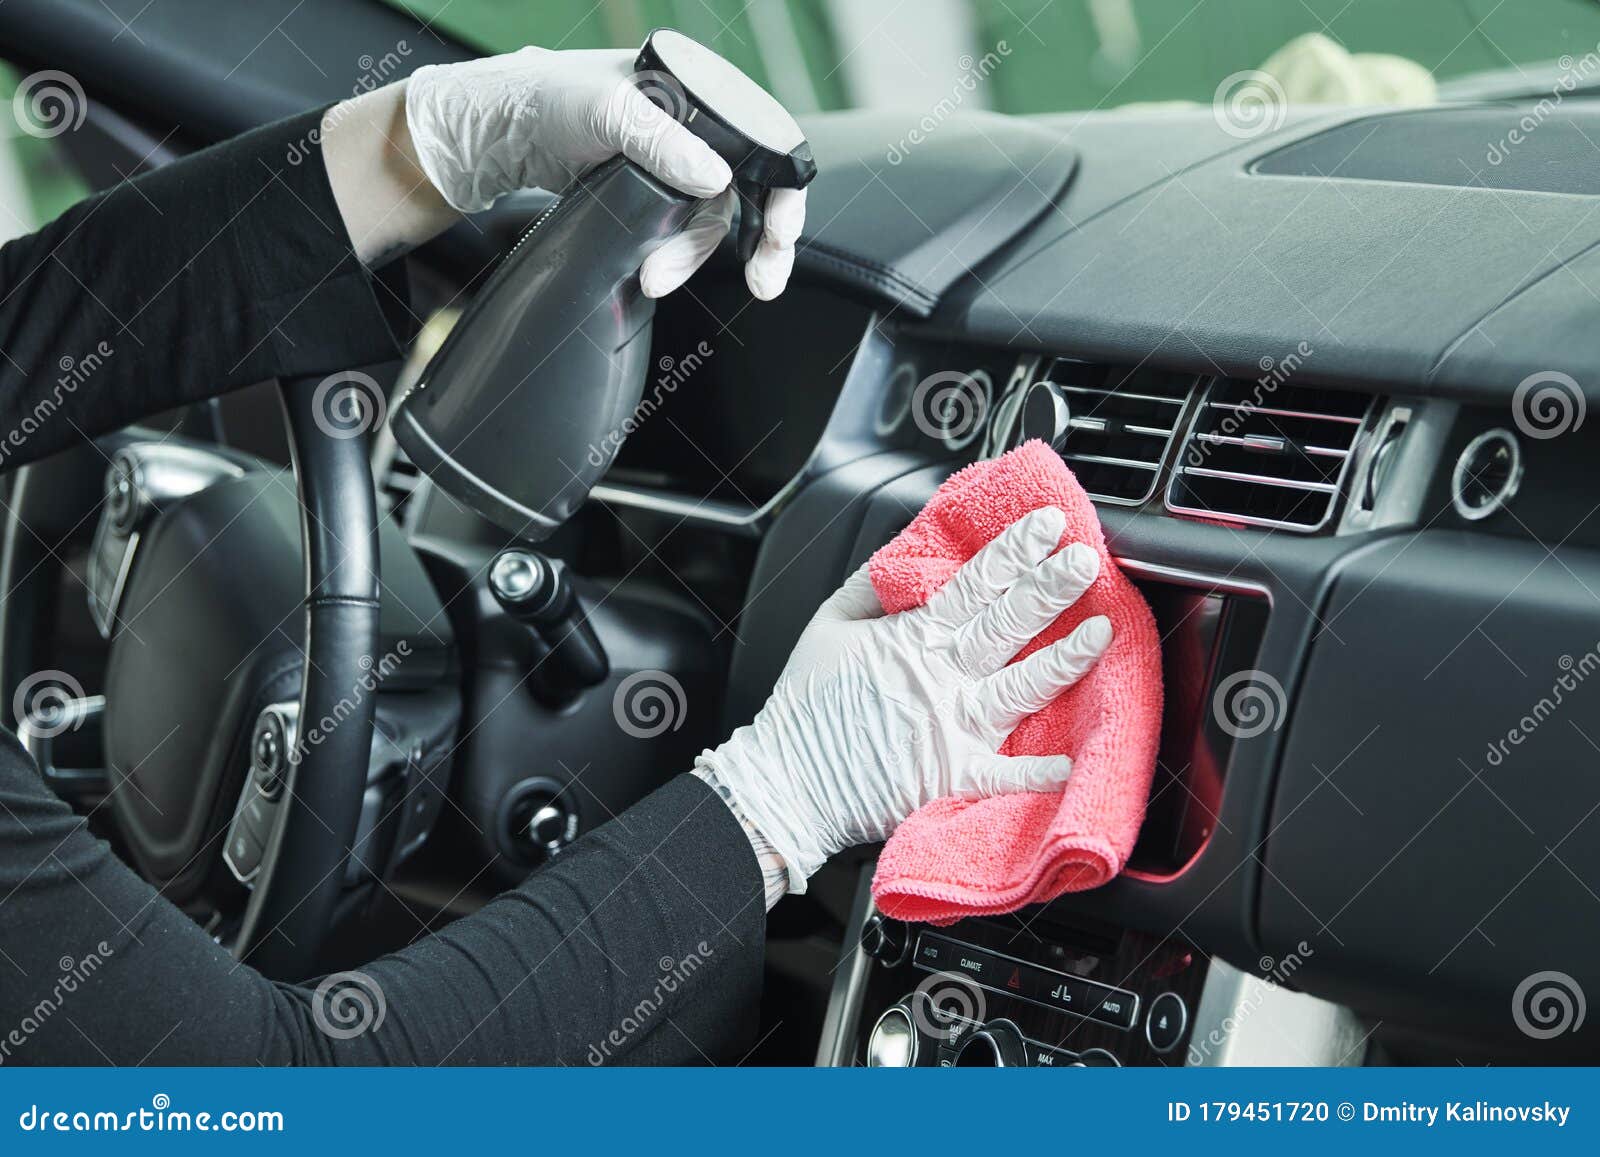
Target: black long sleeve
[643,943]
[225,268]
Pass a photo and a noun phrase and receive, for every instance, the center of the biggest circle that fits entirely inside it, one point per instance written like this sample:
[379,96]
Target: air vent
[1112,425]
[1268,455]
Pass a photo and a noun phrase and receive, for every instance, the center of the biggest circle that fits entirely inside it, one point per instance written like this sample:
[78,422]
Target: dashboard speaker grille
[1113,425]
[1267,454]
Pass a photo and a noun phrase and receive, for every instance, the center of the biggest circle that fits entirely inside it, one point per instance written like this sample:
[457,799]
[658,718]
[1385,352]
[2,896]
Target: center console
[1026,991]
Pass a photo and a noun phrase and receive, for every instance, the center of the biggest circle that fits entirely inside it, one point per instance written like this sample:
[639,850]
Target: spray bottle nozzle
[733,114]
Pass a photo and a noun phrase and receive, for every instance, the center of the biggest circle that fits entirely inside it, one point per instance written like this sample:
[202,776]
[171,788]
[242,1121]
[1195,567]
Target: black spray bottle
[551,358]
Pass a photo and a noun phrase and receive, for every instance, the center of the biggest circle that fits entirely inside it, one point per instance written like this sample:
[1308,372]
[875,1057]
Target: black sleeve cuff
[326,311]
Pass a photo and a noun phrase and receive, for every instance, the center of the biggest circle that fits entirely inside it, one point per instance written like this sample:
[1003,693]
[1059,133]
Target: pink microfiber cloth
[954,858]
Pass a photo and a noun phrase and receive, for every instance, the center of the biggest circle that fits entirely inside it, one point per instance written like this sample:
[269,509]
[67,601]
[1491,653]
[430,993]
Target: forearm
[227,267]
[642,943]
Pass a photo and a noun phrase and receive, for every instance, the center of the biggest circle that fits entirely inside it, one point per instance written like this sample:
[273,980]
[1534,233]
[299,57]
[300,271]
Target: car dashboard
[1322,387]
[1326,387]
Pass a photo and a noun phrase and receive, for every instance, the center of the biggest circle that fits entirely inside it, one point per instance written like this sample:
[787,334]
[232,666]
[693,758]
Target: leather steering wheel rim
[293,904]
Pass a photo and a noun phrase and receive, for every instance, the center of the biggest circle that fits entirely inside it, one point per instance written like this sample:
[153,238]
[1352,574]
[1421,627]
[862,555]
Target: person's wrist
[385,197]
[775,873]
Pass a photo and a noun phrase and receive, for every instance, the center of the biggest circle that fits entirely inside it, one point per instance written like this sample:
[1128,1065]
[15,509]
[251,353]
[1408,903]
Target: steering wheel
[215,583]
[297,887]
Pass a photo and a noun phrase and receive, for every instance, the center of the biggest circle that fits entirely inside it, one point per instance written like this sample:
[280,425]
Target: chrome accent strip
[1129,463]
[1104,393]
[1309,415]
[1198,580]
[1258,479]
[835,1049]
[713,512]
[1269,444]
[38,738]
[1243,1020]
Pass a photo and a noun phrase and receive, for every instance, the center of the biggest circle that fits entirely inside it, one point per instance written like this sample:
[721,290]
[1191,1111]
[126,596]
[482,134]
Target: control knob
[885,940]
[996,1044]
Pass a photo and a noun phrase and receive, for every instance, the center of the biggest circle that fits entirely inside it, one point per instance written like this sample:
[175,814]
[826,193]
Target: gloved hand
[537,118]
[876,715]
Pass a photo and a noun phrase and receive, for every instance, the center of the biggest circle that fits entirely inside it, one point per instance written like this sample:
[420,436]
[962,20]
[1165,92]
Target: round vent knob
[1487,474]
[893,1043]
[998,1044]
[1046,414]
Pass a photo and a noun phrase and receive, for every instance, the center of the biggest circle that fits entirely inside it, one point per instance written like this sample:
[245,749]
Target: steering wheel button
[244,849]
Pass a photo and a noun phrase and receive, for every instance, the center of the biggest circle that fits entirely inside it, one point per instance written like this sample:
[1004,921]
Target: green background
[1187,46]
[1184,47]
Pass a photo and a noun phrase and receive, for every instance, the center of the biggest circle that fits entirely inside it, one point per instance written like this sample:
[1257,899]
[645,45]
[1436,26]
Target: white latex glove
[538,119]
[876,715]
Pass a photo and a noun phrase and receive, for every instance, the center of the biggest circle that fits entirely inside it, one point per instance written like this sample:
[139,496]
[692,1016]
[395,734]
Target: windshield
[1029,56]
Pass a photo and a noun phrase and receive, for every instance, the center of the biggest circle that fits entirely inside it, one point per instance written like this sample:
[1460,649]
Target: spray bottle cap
[733,114]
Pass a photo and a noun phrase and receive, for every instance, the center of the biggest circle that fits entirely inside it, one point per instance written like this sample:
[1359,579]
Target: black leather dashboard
[1181,244]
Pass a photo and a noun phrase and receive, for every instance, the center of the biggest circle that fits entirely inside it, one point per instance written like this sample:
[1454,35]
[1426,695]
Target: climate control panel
[1011,993]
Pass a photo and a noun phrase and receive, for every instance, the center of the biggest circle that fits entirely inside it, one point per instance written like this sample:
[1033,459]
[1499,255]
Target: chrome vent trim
[1244,455]
[1123,425]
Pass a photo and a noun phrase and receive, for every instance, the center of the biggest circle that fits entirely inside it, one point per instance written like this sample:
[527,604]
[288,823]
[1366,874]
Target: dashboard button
[1061,992]
[1166,1022]
[1044,1057]
[1112,1006]
[979,965]
[934,952]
